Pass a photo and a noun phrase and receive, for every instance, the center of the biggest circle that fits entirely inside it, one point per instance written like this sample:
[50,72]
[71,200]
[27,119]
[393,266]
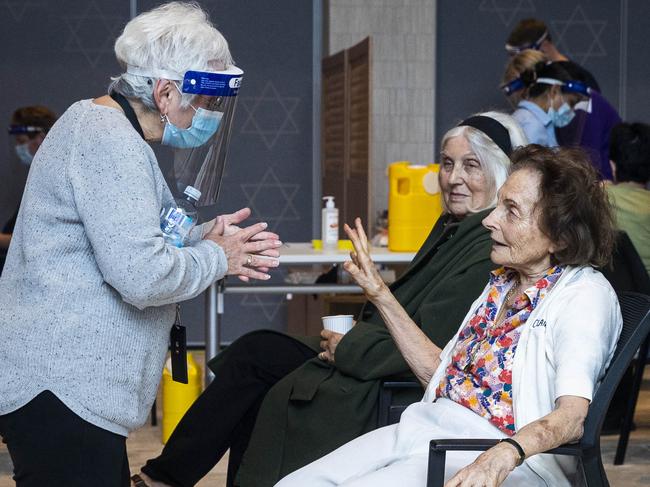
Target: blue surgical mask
[562,116]
[22,151]
[205,124]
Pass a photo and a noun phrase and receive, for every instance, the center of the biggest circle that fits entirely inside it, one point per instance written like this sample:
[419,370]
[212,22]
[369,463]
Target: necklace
[505,303]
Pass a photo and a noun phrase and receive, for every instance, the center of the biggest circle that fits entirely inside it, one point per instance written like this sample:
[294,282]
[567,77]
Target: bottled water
[177,220]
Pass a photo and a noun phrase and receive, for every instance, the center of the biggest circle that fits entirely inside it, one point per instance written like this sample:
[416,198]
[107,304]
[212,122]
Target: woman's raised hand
[362,268]
[251,251]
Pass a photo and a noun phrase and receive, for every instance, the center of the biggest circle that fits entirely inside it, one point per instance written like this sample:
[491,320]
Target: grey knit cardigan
[87,292]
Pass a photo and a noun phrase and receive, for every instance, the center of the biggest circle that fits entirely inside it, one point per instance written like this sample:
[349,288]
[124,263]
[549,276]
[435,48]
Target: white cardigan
[564,349]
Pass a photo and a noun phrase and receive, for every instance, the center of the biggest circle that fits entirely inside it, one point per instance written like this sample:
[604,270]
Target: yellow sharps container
[177,398]
[414,204]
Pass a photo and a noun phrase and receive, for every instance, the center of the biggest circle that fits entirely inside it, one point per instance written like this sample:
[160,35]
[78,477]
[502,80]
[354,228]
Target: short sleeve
[584,337]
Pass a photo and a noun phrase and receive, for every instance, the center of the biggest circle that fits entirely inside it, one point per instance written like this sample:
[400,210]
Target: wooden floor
[145,443]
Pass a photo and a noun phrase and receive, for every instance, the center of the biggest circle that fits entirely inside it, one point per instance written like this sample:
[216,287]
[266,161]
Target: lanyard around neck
[128,112]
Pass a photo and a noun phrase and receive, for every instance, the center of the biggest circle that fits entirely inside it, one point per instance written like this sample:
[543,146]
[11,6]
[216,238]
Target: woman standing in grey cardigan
[87,295]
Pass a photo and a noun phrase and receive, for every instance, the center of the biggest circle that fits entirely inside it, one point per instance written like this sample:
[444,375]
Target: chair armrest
[401,384]
[439,448]
[475,444]
[462,444]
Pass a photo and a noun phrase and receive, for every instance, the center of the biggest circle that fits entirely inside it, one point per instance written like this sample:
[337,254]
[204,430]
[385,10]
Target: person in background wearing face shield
[89,291]
[29,126]
[512,86]
[594,118]
[533,34]
[544,106]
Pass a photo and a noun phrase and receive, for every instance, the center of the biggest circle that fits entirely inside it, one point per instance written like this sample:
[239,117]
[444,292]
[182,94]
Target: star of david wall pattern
[55,53]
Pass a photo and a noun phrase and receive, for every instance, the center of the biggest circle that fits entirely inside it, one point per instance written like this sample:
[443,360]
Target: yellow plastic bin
[177,398]
[414,204]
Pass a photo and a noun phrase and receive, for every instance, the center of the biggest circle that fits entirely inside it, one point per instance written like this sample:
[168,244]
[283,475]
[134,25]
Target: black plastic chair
[635,308]
[627,273]
[628,419]
[390,410]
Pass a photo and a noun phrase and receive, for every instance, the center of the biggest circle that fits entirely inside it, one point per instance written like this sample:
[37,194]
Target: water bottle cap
[192,192]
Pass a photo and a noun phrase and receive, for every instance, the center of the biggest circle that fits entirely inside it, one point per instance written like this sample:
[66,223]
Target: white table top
[304,253]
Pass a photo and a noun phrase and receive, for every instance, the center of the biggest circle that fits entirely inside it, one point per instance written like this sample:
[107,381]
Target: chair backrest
[635,308]
[627,271]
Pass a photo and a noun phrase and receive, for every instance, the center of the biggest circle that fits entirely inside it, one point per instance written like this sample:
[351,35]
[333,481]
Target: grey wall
[608,37]
[55,53]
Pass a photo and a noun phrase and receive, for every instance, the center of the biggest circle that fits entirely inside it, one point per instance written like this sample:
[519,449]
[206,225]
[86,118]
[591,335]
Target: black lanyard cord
[128,111]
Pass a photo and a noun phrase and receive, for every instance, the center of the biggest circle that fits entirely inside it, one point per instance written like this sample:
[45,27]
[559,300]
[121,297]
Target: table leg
[213,318]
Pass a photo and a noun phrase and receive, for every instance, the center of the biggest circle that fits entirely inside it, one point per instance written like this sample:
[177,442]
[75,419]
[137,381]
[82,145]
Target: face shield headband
[216,92]
[25,129]
[512,50]
[512,86]
[571,86]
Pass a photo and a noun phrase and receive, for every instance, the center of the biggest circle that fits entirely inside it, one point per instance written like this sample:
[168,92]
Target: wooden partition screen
[345,136]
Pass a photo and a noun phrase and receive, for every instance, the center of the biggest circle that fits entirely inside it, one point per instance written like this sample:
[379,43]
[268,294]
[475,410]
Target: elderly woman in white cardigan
[528,355]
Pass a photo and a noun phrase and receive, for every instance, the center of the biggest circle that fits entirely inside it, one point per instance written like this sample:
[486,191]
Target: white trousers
[398,454]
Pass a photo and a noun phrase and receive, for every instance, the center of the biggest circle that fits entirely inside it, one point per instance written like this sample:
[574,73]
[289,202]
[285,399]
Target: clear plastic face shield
[512,50]
[202,167]
[575,87]
[200,151]
[581,89]
[577,91]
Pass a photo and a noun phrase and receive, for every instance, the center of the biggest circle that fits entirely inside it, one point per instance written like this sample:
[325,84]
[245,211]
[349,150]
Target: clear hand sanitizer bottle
[330,225]
[177,220]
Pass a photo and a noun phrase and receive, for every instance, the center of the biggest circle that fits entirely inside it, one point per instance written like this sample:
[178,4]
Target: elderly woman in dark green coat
[278,402]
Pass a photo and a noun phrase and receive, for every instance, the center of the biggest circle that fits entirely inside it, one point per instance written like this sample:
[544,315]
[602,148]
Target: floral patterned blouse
[479,376]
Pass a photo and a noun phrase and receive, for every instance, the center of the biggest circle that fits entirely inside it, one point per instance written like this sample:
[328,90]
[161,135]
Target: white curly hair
[173,38]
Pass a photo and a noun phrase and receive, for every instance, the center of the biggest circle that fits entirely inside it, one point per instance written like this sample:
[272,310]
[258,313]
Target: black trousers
[223,416]
[52,446]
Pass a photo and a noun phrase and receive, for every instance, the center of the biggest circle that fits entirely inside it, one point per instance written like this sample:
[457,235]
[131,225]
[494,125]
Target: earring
[163,118]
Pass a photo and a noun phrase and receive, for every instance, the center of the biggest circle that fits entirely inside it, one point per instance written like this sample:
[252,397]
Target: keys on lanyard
[178,341]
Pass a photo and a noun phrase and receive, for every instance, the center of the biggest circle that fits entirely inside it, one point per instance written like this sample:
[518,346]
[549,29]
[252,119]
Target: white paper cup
[338,323]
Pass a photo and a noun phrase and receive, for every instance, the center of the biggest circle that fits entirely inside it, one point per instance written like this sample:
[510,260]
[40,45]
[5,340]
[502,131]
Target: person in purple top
[591,130]
[594,120]
[546,103]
